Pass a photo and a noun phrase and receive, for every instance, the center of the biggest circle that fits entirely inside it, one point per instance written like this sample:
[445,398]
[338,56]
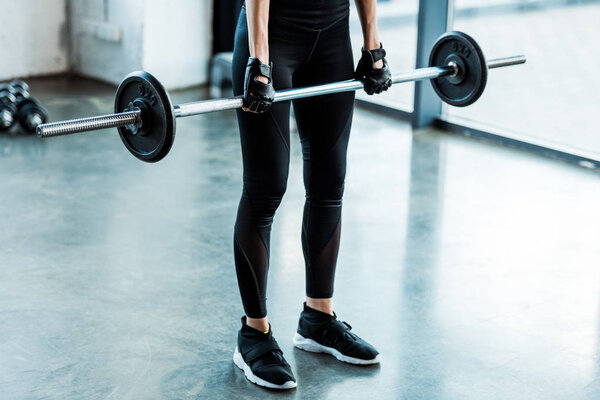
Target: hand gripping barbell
[145,116]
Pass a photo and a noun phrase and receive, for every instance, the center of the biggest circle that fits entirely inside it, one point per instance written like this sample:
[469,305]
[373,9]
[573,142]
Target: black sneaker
[261,359]
[323,333]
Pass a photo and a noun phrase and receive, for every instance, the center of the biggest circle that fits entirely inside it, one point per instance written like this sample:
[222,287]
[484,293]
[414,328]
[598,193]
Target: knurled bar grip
[88,124]
[208,106]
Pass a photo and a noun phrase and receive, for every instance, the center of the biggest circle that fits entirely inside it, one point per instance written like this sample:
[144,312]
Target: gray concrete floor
[473,268]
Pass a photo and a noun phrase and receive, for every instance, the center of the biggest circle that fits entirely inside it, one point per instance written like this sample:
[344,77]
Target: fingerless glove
[258,96]
[375,80]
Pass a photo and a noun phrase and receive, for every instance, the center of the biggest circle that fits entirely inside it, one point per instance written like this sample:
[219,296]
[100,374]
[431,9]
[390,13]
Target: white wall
[177,40]
[107,37]
[33,38]
[170,39]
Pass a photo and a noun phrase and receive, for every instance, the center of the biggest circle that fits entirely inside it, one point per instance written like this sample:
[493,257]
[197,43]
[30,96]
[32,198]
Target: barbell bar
[146,117]
[208,106]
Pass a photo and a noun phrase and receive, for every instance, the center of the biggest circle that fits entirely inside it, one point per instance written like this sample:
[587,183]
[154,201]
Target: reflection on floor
[473,268]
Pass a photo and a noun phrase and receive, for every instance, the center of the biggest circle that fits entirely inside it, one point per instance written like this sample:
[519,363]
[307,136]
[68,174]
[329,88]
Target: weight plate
[153,140]
[465,88]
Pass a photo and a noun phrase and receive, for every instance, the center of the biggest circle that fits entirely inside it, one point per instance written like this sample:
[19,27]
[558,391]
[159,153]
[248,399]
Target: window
[554,99]
[397,21]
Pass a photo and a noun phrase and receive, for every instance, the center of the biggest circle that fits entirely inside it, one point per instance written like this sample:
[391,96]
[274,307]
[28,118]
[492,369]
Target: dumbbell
[20,93]
[30,112]
[8,108]
[17,83]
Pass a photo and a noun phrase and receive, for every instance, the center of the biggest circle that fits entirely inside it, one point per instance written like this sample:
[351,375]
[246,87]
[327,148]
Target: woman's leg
[324,123]
[265,150]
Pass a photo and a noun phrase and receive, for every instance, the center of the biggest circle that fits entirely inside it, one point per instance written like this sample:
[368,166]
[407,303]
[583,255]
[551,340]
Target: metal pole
[432,21]
[208,106]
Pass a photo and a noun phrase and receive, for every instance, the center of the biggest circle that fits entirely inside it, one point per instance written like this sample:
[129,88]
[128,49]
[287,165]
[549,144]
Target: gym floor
[472,267]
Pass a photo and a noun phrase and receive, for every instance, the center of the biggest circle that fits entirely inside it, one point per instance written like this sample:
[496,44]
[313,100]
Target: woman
[278,45]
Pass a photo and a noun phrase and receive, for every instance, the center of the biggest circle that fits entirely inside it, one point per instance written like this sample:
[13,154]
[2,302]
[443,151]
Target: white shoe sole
[238,360]
[310,345]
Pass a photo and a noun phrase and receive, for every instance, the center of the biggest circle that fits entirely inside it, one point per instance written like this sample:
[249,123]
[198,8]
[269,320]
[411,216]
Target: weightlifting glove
[375,80]
[258,96]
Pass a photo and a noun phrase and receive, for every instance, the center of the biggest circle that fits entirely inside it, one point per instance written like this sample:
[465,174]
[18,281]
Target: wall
[177,41]
[33,38]
[106,38]
[111,38]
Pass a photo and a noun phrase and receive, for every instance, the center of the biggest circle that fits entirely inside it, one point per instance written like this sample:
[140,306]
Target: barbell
[145,116]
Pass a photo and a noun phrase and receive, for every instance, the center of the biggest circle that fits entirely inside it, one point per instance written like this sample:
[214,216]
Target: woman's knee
[330,194]
[327,185]
[265,194]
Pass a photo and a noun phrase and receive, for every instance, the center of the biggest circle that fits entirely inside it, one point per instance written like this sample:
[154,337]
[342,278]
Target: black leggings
[309,44]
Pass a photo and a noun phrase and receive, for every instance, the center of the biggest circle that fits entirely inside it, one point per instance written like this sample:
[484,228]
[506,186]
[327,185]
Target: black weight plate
[159,132]
[450,47]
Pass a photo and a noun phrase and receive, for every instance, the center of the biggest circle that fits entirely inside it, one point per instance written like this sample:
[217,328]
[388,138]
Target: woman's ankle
[260,324]
[323,305]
